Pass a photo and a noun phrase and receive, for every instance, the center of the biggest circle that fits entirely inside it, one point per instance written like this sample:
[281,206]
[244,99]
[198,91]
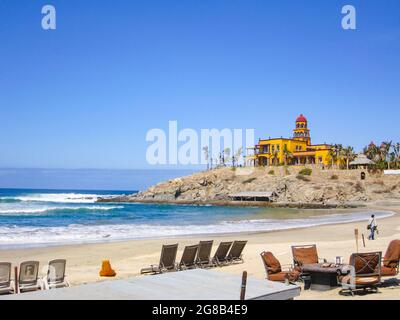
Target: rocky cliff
[322,187]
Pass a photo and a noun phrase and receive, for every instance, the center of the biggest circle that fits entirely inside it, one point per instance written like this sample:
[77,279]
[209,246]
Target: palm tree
[396,151]
[392,159]
[226,155]
[372,152]
[275,157]
[348,155]
[339,148]
[385,152]
[332,153]
[236,156]
[335,153]
[206,156]
[287,155]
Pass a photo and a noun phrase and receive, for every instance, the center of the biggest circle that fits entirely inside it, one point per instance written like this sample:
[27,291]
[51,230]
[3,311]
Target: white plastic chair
[6,284]
[56,277]
[28,277]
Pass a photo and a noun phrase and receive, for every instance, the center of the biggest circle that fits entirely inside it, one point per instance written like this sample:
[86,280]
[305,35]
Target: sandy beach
[128,257]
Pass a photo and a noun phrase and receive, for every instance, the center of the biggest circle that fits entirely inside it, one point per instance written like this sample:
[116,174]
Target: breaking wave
[81,233]
[59,197]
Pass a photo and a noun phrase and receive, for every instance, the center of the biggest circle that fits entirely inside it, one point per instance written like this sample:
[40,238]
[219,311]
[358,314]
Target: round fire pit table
[324,275]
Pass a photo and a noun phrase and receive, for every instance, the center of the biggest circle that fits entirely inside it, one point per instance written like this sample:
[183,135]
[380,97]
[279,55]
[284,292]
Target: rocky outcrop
[322,187]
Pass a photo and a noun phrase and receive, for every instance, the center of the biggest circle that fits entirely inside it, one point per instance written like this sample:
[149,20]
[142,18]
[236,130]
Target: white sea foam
[21,209]
[60,197]
[76,233]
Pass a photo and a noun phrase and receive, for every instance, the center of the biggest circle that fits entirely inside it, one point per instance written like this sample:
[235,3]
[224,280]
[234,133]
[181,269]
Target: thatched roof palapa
[361,160]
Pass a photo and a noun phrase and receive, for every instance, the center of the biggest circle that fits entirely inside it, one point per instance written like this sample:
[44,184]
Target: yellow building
[294,151]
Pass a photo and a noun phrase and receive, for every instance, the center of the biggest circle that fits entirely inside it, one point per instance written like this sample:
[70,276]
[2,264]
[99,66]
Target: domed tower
[301,132]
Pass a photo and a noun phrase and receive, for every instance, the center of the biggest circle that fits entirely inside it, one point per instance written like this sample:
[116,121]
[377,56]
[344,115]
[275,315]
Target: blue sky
[85,95]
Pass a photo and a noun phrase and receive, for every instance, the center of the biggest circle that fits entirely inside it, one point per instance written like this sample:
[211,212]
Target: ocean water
[52,217]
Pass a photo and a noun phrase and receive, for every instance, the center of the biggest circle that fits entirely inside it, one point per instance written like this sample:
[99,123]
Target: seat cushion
[388,272]
[360,281]
[392,255]
[272,263]
[306,255]
[280,276]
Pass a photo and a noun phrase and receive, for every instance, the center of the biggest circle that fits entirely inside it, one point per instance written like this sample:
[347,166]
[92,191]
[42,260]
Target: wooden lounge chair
[390,262]
[273,269]
[28,277]
[221,255]
[6,284]
[203,254]
[366,272]
[167,260]
[56,277]
[235,254]
[188,260]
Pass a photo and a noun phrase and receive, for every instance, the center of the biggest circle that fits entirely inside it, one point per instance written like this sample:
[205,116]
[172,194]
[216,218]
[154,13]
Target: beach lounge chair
[273,269]
[188,259]
[365,273]
[390,262]
[28,277]
[204,253]
[167,260]
[221,255]
[6,284]
[235,254]
[55,277]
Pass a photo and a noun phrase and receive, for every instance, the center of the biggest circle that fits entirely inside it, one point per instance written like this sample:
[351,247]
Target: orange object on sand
[106,270]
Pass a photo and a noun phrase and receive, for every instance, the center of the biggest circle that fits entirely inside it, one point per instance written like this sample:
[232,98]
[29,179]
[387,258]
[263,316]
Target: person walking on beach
[372,227]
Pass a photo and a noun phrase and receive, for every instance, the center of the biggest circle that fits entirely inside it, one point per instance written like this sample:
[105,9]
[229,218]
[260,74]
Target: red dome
[301,118]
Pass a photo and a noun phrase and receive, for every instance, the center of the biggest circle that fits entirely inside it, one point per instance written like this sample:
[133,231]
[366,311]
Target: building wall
[271,146]
[322,157]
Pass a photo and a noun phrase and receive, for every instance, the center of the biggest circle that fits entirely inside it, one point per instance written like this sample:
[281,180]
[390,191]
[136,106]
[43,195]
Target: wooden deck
[254,196]
[195,284]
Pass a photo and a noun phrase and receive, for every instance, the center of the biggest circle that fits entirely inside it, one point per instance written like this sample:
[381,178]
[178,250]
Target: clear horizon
[86,179]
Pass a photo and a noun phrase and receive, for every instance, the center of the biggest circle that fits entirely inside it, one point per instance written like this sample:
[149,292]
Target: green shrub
[305,172]
[249,180]
[271,172]
[334,177]
[303,178]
